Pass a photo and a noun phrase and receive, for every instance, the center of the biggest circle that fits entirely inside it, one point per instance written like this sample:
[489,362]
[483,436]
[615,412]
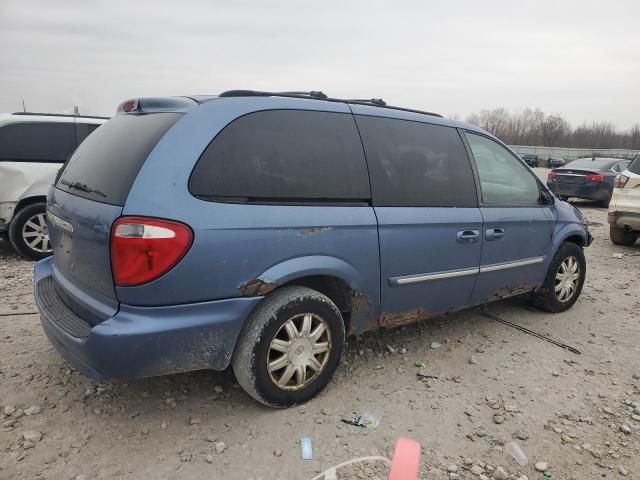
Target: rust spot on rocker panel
[507,292]
[405,318]
[256,288]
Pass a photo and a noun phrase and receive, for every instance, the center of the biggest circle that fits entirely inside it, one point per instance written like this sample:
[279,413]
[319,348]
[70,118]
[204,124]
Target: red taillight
[551,177]
[143,249]
[620,181]
[594,178]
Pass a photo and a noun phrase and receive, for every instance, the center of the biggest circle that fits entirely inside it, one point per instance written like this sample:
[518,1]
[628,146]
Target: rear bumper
[143,341]
[598,191]
[626,220]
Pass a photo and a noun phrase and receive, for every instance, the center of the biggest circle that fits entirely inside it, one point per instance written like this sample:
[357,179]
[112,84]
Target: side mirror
[546,198]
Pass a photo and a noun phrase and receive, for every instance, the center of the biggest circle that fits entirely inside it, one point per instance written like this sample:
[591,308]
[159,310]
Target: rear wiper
[82,187]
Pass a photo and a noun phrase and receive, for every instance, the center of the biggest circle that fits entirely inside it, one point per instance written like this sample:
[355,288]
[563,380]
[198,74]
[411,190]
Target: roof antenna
[76,110]
[24,109]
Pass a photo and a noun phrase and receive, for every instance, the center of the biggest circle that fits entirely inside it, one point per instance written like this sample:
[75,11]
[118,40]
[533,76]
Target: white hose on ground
[352,461]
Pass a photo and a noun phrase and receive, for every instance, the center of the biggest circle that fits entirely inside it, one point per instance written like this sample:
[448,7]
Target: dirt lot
[494,385]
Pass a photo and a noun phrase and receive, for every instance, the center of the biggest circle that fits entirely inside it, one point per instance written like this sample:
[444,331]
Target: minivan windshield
[105,165]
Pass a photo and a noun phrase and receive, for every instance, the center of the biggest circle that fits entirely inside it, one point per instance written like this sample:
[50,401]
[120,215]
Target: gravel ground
[579,414]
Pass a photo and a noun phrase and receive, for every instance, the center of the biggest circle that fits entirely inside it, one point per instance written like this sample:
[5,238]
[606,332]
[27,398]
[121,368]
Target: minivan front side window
[504,180]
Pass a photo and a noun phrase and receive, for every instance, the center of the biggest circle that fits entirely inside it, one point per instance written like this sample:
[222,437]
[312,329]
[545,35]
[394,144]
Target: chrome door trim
[518,263]
[427,277]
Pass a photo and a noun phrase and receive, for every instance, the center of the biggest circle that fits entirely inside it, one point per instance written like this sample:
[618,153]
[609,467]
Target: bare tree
[534,127]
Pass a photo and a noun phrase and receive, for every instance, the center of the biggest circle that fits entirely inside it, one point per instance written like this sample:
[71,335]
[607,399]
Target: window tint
[83,130]
[284,154]
[416,164]
[635,165]
[37,142]
[105,165]
[504,180]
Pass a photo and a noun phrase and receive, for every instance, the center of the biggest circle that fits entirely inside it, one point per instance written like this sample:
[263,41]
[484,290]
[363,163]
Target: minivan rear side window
[284,155]
[416,164]
[42,142]
[105,165]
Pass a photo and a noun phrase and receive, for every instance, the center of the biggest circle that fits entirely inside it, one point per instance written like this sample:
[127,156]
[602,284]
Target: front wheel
[564,280]
[290,347]
[28,231]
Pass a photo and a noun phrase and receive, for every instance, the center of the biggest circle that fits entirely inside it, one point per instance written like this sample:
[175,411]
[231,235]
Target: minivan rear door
[517,223]
[429,223]
[88,197]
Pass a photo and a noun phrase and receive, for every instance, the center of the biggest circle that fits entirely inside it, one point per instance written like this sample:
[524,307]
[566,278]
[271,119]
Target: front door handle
[468,236]
[494,234]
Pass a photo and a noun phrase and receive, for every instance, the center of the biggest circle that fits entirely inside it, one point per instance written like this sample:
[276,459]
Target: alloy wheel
[567,279]
[299,351]
[35,233]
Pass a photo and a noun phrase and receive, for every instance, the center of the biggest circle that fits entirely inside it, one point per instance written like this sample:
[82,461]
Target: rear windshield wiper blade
[82,187]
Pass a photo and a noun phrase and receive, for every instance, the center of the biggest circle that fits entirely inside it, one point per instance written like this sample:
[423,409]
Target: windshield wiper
[82,187]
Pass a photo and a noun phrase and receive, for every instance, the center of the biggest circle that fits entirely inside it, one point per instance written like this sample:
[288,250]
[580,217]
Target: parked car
[257,229]
[624,208]
[587,178]
[33,147]
[530,159]
[555,162]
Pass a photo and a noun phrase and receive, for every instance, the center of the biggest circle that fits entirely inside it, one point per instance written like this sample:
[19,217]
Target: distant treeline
[534,127]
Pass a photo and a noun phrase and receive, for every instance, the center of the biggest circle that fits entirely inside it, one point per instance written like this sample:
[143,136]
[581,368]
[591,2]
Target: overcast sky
[577,58]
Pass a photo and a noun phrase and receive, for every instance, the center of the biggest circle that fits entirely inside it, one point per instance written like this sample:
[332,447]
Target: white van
[33,147]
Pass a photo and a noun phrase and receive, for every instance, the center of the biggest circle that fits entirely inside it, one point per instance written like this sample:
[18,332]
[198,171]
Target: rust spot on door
[311,230]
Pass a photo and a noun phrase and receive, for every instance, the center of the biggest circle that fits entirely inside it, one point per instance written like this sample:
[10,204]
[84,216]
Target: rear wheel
[28,231]
[621,237]
[290,347]
[564,280]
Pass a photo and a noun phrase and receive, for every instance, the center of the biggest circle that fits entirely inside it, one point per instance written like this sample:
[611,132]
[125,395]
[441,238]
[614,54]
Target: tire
[546,297]
[267,324]
[29,221]
[605,203]
[620,237]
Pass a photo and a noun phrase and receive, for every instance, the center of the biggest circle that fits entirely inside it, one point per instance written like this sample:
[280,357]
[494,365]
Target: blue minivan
[257,229]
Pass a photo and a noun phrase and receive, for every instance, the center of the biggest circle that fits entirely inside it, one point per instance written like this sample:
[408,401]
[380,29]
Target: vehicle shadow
[208,393]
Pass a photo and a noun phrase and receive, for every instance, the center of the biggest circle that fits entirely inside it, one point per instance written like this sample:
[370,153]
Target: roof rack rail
[60,115]
[373,101]
[318,95]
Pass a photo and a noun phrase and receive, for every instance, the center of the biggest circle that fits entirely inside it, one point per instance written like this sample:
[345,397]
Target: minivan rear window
[105,165]
[635,166]
[284,156]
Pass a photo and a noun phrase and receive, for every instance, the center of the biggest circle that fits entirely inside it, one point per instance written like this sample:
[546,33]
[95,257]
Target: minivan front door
[517,224]
[429,224]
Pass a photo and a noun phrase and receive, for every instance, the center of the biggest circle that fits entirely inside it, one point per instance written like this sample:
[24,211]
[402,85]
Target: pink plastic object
[406,460]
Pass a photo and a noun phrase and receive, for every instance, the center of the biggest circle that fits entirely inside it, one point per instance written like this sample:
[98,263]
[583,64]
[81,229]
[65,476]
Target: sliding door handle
[494,234]
[468,236]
